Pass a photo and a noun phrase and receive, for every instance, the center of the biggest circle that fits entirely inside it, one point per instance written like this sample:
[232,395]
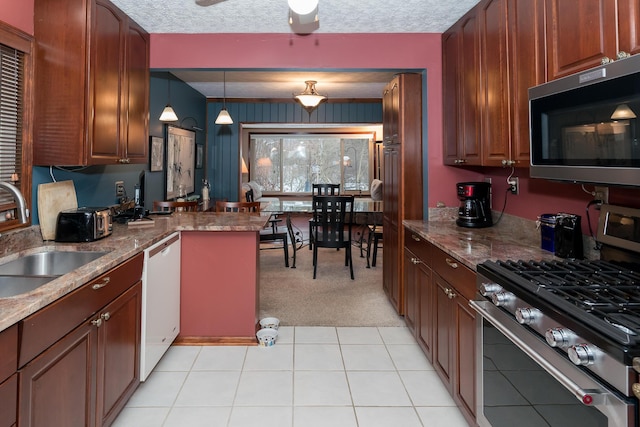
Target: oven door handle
[486,309]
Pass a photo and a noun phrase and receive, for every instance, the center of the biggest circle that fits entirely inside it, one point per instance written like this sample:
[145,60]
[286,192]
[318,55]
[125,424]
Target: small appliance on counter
[561,234]
[475,204]
[84,224]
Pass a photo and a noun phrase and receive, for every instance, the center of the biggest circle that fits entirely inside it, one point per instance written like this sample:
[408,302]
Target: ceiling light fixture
[168,115]
[303,7]
[223,117]
[310,98]
[303,16]
[623,111]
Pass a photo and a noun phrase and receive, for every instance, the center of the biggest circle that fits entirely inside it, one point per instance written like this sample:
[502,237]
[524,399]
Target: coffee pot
[475,204]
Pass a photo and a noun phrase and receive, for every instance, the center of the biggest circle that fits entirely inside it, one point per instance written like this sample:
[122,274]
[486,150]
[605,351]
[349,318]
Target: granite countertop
[124,243]
[472,246]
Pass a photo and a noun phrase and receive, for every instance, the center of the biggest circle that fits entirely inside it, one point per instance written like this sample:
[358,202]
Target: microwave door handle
[588,397]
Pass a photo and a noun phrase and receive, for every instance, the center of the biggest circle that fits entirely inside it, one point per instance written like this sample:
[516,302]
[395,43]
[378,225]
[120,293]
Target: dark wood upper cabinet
[91,84]
[580,33]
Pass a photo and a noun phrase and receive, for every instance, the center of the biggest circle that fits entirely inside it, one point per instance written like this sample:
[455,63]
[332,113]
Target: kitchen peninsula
[218,247]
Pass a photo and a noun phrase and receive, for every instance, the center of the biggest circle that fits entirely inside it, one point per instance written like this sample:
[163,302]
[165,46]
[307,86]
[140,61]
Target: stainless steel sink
[29,272]
[50,263]
[16,285]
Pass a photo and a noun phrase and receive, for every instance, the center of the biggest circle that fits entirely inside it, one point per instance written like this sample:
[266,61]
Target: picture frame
[180,161]
[199,156]
[156,154]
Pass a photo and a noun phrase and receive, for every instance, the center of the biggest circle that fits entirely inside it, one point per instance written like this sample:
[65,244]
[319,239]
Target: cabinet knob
[451,263]
[97,323]
[450,294]
[606,60]
[506,162]
[622,54]
[104,283]
[416,238]
[105,316]
[415,260]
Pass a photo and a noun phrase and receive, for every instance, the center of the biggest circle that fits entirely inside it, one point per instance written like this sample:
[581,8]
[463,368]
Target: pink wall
[18,13]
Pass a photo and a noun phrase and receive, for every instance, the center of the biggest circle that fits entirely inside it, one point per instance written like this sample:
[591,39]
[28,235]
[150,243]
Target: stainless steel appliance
[583,127]
[475,204]
[83,224]
[559,337]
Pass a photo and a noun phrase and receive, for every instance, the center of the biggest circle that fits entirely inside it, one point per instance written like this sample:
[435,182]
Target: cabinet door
[137,95]
[527,69]
[107,61]
[450,88]
[390,276]
[391,190]
[426,306]
[469,92]
[579,34]
[443,332]
[60,383]
[119,353]
[411,290]
[629,26]
[465,356]
[9,399]
[494,101]
[391,112]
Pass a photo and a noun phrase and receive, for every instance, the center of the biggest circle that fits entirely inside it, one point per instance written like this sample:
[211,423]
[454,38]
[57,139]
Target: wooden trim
[216,341]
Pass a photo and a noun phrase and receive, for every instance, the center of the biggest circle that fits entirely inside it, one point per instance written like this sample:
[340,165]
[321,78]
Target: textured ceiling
[271,16]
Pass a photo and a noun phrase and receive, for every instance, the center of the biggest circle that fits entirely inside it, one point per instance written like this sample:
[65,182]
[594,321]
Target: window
[15,127]
[291,163]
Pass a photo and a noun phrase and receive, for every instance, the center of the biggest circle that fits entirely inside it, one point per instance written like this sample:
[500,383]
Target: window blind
[11,102]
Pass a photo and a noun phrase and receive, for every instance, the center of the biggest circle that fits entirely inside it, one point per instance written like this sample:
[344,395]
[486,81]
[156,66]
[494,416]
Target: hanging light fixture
[168,115]
[223,117]
[310,98]
[623,111]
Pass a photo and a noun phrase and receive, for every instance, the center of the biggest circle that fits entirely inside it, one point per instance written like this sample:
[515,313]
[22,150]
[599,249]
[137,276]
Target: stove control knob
[502,298]
[558,337]
[527,315]
[581,354]
[488,289]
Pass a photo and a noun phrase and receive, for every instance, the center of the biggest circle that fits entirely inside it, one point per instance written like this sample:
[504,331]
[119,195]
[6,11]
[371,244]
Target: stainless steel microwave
[585,127]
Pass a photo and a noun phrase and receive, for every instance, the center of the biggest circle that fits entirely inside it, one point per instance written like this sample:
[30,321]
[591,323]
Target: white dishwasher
[160,301]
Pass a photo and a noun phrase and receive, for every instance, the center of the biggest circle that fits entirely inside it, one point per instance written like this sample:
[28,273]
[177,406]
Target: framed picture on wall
[156,153]
[180,158]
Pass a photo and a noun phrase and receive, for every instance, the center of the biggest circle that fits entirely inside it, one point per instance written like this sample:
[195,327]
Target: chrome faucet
[23,212]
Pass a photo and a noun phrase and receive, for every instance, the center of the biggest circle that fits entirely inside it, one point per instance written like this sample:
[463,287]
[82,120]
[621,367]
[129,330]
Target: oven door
[523,381]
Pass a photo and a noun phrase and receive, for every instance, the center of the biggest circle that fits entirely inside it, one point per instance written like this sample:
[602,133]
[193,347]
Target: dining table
[366,211]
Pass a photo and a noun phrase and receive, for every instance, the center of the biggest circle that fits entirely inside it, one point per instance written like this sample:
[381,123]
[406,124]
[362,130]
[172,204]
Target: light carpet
[332,299]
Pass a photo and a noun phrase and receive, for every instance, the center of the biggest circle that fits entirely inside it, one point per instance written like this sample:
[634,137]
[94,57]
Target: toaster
[83,224]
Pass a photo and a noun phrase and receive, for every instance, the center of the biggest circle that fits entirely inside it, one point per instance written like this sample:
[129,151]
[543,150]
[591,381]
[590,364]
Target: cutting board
[52,198]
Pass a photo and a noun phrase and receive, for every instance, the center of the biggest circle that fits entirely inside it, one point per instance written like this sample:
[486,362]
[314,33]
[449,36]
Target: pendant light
[224,118]
[310,98]
[168,115]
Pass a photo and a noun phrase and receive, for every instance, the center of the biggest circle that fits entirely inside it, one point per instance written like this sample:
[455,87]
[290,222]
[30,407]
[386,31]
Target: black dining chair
[321,190]
[273,233]
[332,227]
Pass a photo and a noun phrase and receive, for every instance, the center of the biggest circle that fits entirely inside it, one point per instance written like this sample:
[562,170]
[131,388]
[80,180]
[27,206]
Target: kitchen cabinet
[419,290]
[454,330]
[80,364]
[492,55]
[160,302]
[91,84]
[9,376]
[580,33]
[402,183]
[460,74]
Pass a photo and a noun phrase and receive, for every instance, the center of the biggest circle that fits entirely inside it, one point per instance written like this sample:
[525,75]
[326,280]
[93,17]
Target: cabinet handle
[459,161]
[415,260]
[105,316]
[104,283]
[125,161]
[508,162]
[451,263]
[414,237]
[97,323]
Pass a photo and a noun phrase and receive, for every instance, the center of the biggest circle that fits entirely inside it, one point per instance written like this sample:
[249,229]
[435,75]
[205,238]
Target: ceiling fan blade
[208,2]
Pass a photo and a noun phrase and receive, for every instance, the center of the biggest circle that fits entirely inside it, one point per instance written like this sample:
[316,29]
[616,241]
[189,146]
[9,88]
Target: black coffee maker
[475,205]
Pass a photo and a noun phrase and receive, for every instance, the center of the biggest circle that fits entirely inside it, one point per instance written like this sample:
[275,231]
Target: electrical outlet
[602,194]
[514,185]
[119,188]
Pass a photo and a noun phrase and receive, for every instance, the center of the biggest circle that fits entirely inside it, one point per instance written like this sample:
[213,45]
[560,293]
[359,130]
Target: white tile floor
[313,376]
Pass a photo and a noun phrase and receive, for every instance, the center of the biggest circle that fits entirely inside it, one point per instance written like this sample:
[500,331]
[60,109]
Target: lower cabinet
[85,377]
[9,376]
[437,293]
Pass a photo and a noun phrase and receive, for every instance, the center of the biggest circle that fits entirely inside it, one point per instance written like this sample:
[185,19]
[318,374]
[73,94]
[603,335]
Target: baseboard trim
[215,341]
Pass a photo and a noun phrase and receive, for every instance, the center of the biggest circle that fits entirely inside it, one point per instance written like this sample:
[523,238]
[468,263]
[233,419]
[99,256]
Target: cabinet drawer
[48,325]
[418,245]
[456,274]
[9,399]
[8,352]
